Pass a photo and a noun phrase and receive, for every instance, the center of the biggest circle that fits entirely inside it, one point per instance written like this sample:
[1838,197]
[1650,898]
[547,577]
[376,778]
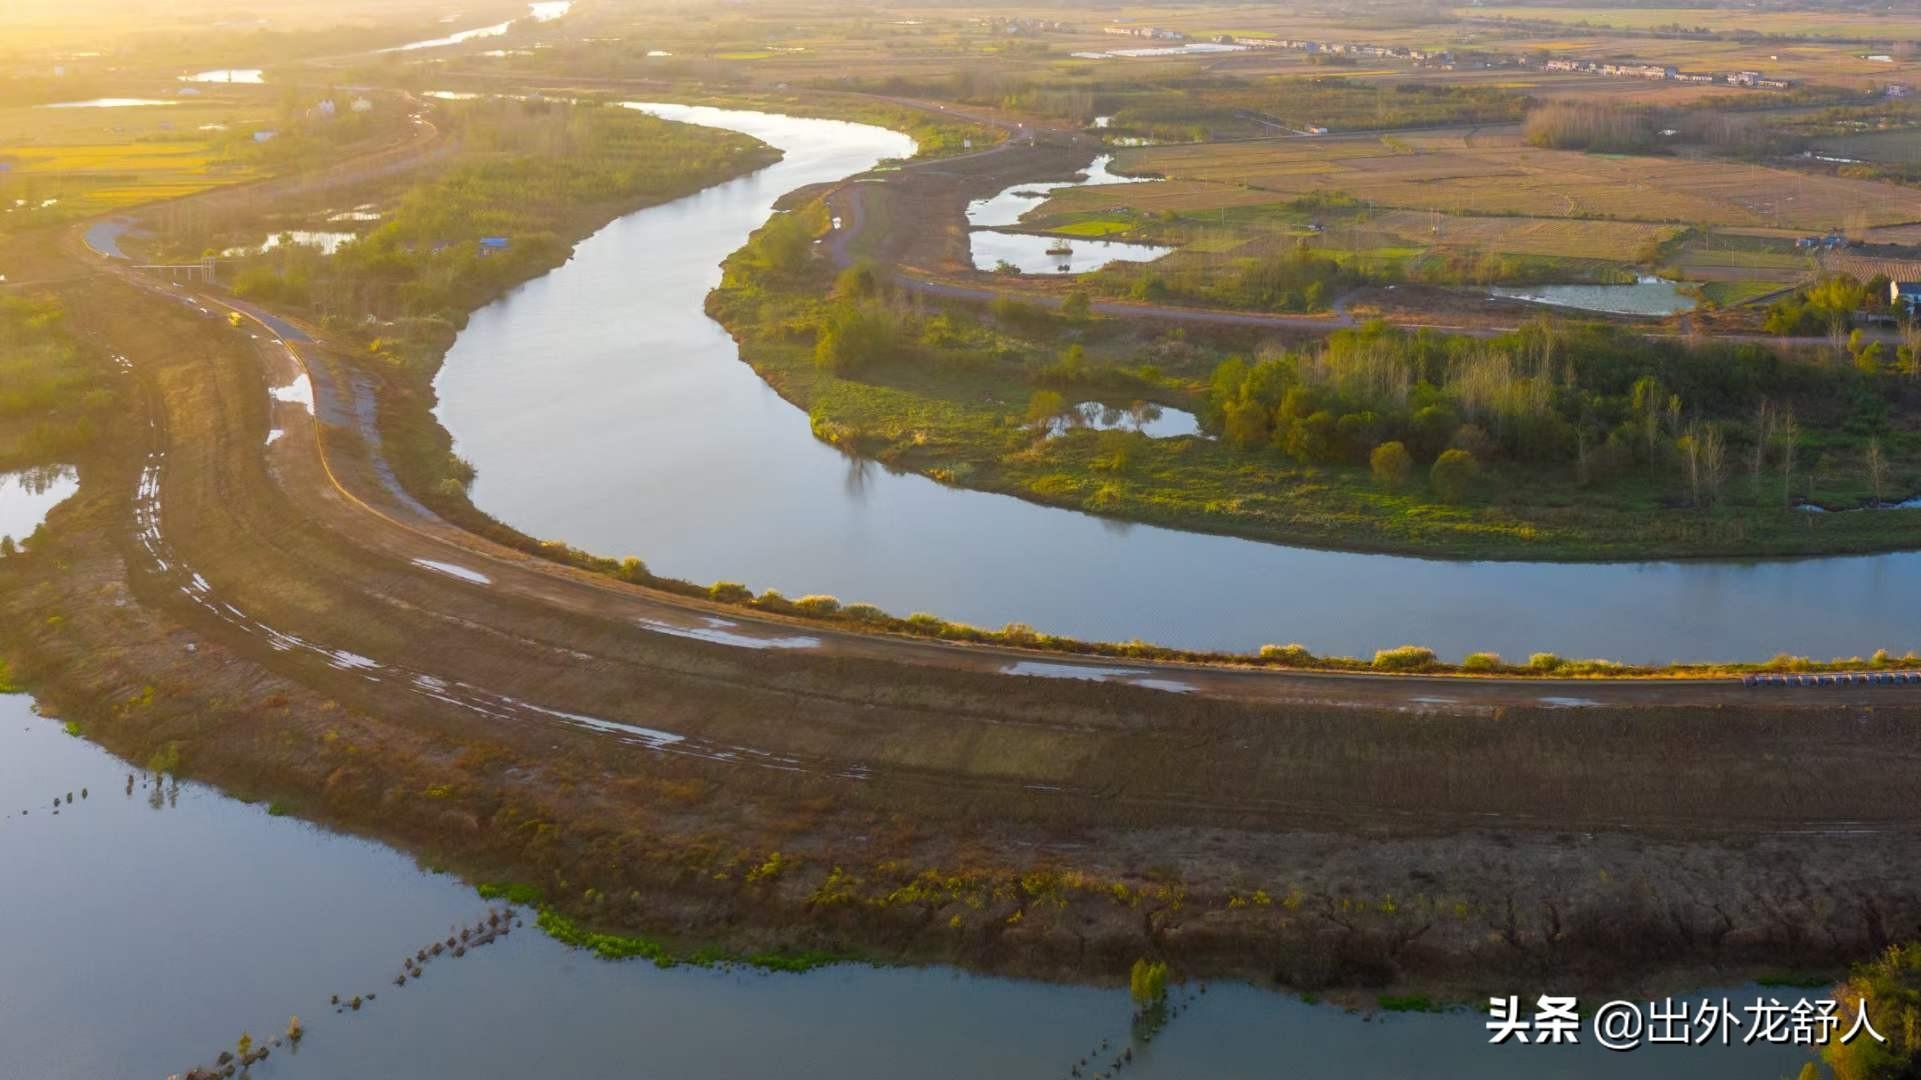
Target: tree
[1713,461]
[1246,425]
[856,336]
[1312,438]
[1453,473]
[1763,431]
[1888,988]
[1867,354]
[1391,464]
[1045,407]
[1877,465]
[859,281]
[784,244]
[1790,434]
[1147,984]
[1703,455]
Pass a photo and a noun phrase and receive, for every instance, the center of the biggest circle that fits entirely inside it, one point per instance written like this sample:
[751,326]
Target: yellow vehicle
[235,320]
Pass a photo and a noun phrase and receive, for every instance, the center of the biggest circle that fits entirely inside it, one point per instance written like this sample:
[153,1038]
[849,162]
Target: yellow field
[1505,177]
[48,183]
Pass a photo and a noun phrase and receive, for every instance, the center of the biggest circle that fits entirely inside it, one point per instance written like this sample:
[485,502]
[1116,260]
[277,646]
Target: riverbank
[348,918]
[950,390]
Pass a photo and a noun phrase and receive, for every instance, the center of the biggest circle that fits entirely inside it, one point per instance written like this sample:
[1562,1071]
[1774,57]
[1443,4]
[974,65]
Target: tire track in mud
[453,692]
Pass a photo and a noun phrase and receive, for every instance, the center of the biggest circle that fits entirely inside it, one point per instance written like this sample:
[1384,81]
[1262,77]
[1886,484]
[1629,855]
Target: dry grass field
[1614,241]
[1502,176]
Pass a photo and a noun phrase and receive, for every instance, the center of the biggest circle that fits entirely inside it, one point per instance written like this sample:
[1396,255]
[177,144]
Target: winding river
[603,408]
[149,923]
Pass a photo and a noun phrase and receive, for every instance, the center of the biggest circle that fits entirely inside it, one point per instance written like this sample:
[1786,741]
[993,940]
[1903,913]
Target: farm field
[1509,178]
[1723,20]
[1864,267]
[75,181]
[1613,241]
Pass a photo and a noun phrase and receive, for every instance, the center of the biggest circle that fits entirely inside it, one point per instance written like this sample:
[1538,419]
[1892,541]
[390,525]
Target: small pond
[1151,420]
[1032,254]
[1008,207]
[328,242]
[251,76]
[1648,296]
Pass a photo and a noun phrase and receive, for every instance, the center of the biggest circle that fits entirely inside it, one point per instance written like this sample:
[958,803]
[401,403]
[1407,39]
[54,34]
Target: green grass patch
[1095,227]
[514,892]
[1734,293]
[636,947]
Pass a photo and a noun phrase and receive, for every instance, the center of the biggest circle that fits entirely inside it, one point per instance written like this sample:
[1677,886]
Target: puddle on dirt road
[27,495]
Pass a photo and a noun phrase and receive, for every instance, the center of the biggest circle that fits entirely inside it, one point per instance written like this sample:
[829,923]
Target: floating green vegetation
[511,891]
[1404,1003]
[608,946]
[277,808]
[72,728]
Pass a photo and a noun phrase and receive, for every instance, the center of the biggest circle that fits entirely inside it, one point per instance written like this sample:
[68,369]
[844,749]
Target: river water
[149,923]
[602,407]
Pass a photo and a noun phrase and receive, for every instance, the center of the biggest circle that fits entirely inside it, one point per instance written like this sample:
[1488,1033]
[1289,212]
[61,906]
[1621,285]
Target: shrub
[818,604]
[920,622]
[1481,661]
[1147,983]
[772,600]
[857,336]
[729,592]
[1391,464]
[1019,634]
[1546,661]
[864,613]
[1453,473]
[1404,658]
[1294,655]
